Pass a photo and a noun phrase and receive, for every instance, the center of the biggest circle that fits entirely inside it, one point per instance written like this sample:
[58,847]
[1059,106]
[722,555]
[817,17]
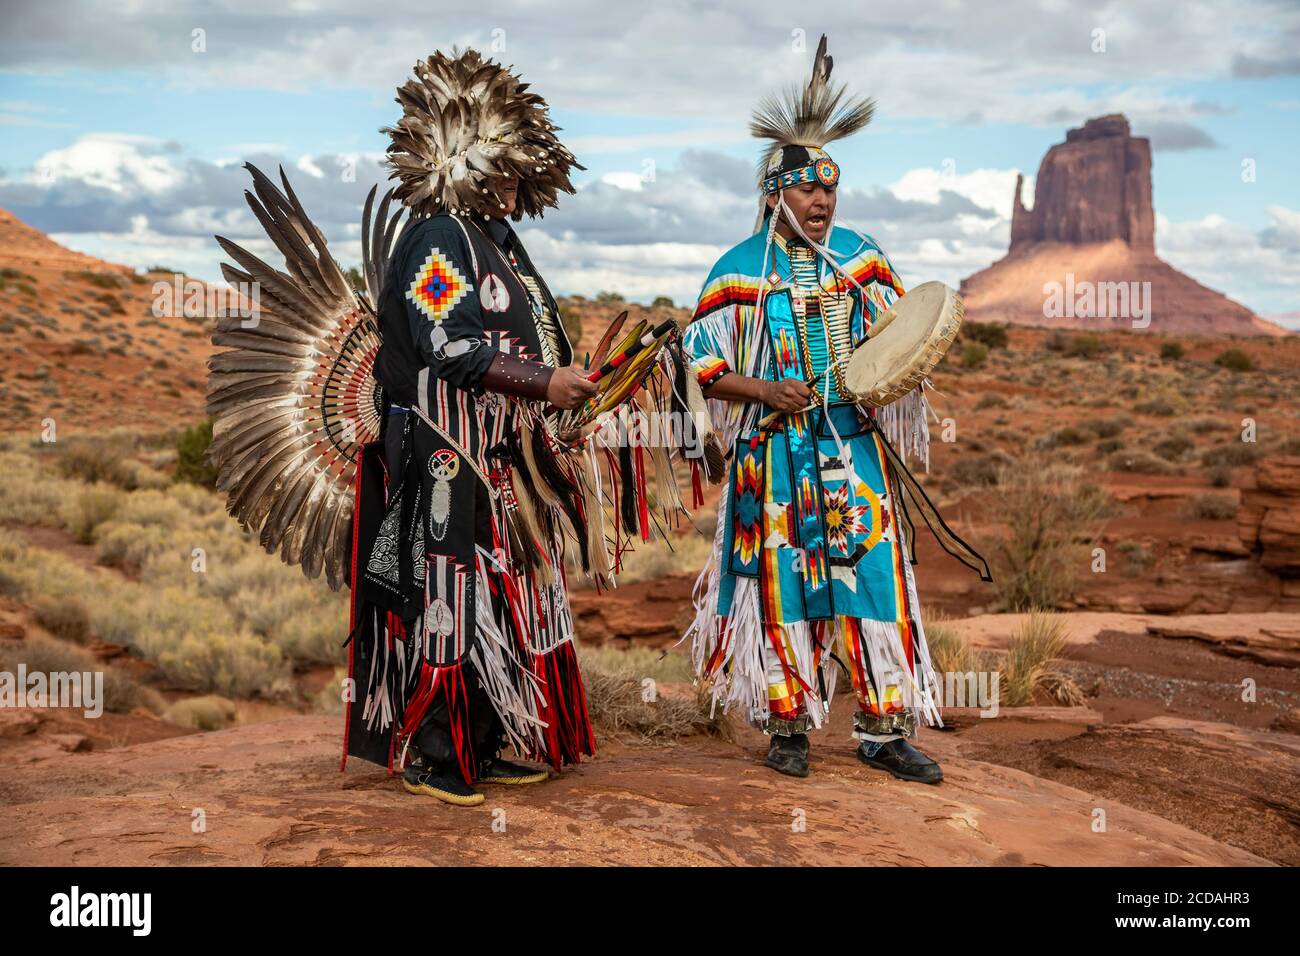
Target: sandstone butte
[1093,221]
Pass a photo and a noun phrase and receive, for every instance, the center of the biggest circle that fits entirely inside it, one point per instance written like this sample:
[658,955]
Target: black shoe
[902,760]
[789,755]
[444,785]
[496,770]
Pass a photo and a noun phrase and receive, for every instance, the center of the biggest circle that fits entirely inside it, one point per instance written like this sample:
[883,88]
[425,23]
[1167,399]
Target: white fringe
[518,709]
[906,423]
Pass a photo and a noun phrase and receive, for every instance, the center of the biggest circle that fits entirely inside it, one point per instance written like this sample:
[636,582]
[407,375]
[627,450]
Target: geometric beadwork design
[438,286]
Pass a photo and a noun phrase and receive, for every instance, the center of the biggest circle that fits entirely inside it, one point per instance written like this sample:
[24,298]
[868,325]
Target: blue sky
[122,140]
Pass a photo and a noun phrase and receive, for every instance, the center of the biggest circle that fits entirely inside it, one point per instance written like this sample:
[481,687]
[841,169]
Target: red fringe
[568,725]
[449,682]
[697,488]
[643,502]
[352,611]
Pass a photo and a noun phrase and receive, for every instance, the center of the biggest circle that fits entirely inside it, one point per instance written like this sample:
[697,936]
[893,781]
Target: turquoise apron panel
[800,491]
[816,530]
[861,538]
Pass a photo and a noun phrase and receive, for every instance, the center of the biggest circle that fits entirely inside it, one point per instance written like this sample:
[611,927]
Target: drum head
[906,343]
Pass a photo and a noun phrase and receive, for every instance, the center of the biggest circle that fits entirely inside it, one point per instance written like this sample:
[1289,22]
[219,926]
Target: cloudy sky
[124,125]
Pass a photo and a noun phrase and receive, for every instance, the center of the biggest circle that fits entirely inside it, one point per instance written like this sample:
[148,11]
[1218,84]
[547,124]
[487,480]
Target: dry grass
[949,651]
[1029,666]
[203,602]
[624,695]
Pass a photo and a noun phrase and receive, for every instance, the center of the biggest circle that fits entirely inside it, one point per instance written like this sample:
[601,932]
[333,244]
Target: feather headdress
[810,117]
[465,121]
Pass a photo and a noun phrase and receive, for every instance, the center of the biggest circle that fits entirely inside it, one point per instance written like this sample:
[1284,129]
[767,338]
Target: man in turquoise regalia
[811,560]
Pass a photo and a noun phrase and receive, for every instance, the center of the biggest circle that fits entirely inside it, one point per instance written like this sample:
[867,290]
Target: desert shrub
[1104,427]
[1213,507]
[97,460]
[609,297]
[66,619]
[313,638]
[1233,453]
[121,544]
[1205,425]
[10,586]
[48,656]
[1161,406]
[1056,341]
[974,354]
[1051,517]
[329,699]
[1029,666]
[99,279]
[29,495]
[1174,447]
[1069,435]
[192,462]
[1139,462]
[1108,446]
[210,712]
[1221,476]
[978,471]
[1234,360]
[1171,351]
[986,333]
[662,302]
[89,508]
[1135,558]
[990,400]
[235,665]
[122,694]
[1083,345]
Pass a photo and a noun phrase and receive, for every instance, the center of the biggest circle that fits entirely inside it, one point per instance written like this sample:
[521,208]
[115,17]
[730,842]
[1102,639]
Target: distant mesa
[1091,231]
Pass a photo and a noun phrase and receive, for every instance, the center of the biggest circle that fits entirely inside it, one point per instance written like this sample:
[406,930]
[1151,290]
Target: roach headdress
[466,121]
[798,124]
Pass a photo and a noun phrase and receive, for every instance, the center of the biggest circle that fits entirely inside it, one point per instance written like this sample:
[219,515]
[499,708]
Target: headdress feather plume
[466,121]
[813,116]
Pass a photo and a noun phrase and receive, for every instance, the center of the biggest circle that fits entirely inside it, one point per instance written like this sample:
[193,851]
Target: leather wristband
[521,378]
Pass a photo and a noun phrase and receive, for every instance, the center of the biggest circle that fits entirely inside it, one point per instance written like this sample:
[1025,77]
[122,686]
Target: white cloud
[306,165]
[118,162]
[1248,265]
[624,180]
[127,199]
[991,189]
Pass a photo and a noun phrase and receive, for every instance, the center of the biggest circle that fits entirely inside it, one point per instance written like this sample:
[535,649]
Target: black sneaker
[441,784]
[902,760]
[789,755]
[496,770]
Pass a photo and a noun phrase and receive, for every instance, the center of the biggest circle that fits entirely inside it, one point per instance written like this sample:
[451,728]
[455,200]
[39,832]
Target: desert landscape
[1137,491]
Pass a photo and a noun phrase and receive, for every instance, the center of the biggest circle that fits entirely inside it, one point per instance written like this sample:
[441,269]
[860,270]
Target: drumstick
[629,353]
[771,420]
